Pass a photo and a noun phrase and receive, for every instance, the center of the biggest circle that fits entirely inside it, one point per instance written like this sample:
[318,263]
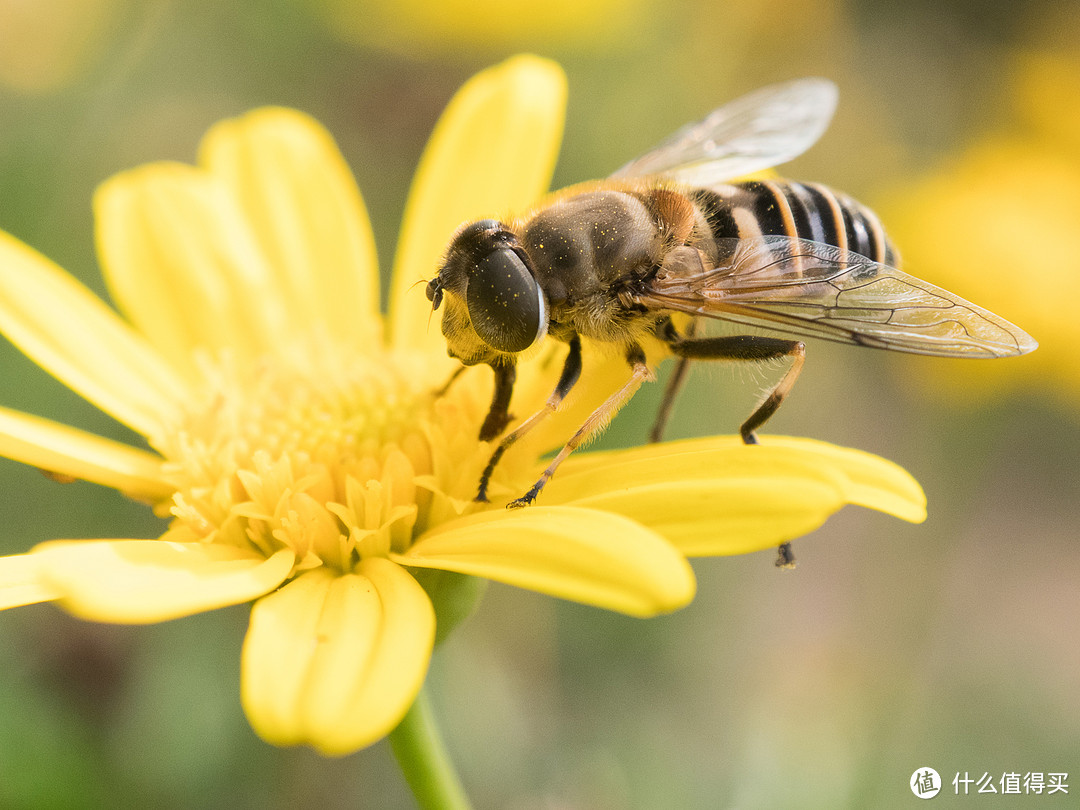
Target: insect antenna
[434,291]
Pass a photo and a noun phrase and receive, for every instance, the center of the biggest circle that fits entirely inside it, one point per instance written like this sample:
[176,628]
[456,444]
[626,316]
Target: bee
[672,232]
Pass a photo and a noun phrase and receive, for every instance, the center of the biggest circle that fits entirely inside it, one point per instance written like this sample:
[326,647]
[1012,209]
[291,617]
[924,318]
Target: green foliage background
[952,644]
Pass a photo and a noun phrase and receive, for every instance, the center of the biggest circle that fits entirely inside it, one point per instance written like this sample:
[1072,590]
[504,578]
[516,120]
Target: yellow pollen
[337,459]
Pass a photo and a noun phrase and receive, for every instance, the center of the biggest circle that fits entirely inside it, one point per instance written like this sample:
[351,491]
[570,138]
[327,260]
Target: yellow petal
[719,496]
[182,263]
[143,581]
[20,583]
[492,152]
[72,334]
[870,480]
[68,451]
[307,214]
[335,661]
[580,554]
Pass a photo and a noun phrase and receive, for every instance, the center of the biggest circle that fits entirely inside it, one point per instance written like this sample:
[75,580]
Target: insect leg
[749,347]
[597,419]
[785,557]
[674,383]
[498,416]
[570,374]
[671,392]
[752,347]
[453,378]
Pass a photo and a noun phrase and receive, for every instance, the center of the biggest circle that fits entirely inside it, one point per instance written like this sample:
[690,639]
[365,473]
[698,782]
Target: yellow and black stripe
[757,208]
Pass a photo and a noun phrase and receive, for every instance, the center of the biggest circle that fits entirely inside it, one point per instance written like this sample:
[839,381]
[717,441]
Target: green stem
[422,757]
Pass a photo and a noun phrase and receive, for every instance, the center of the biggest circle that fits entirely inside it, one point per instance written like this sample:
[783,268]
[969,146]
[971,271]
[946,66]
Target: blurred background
[952,644]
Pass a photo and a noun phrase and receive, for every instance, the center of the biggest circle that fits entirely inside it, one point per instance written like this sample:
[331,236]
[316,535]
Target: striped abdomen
[803,210]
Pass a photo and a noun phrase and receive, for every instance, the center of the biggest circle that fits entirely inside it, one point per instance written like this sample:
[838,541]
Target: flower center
[337,458]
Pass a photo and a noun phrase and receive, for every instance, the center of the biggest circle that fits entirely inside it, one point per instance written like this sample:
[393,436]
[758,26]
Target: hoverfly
[671,232]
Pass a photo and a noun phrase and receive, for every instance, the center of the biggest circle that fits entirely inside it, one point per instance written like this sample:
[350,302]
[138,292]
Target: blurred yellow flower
[999,224]
[300,446]
[1046,94]
[454,27]
[44,44]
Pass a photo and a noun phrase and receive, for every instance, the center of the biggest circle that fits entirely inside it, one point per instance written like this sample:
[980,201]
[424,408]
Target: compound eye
[505,303]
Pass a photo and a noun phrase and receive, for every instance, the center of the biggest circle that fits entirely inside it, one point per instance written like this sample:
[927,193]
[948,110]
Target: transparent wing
[763,129]
[813,289]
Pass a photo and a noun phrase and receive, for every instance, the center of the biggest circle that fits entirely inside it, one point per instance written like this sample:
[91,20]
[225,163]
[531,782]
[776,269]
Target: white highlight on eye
[542,331]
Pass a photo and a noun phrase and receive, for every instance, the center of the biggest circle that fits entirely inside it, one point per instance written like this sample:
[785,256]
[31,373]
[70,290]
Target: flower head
[306,449]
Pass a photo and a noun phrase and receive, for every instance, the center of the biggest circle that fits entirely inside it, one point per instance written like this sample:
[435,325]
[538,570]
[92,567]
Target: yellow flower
[299,440]
[456,27]
[998,224]
[47,46]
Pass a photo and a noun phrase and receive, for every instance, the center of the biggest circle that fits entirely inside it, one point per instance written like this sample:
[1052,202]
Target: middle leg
[666,331]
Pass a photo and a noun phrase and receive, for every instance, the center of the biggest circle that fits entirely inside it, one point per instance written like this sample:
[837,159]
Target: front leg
[570,374]
[498,416]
